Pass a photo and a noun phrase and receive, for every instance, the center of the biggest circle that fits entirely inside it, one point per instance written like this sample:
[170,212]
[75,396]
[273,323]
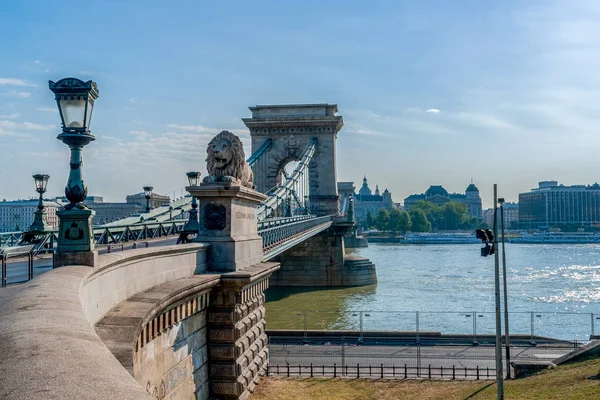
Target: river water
[552,291]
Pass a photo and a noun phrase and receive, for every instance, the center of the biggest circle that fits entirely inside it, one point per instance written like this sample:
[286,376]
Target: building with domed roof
[366,201]
[440,196]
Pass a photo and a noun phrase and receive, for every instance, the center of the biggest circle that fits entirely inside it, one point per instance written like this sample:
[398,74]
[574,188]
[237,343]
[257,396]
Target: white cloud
[15,82]
[20,129]
[433,110]
[36,61]
[24,125]
[14,93]
[11,116]
[193,128]
[48,109]
[203,129]
[140,134]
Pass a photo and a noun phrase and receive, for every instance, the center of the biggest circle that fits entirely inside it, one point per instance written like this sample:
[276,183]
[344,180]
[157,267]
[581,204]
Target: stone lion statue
[226,161]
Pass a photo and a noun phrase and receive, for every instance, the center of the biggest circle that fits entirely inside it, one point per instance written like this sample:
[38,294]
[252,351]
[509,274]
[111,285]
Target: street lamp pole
[148,195]
[40,221]
[191,227]
[506,331]
[75,100]
[499,374]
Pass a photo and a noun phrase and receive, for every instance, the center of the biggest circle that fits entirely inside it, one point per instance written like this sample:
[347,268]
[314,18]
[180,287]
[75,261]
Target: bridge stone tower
[284,132]
[290,128]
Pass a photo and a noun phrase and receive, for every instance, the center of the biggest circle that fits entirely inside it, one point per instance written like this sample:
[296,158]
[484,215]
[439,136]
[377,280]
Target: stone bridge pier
[322,261]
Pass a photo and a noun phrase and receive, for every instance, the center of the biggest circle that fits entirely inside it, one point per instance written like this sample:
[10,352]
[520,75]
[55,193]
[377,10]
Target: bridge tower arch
[288,129]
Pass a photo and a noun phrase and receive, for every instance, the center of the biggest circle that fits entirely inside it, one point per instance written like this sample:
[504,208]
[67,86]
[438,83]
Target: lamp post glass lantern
[193,178]
[148,195]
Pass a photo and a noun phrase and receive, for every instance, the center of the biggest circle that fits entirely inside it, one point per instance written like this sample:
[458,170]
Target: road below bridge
[467,361]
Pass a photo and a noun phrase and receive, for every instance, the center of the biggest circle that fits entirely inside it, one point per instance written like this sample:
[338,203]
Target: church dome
[436,190]
[472,188]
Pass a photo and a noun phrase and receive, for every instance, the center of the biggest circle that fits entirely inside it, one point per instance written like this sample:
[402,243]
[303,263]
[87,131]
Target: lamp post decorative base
[40,223]
[228,221]
[75,238]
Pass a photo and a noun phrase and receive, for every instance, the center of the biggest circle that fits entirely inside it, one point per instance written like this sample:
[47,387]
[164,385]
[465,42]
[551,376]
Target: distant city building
[365,201]
[551,204]
[88,200]
[511,216]
[17,215]
[440,196]
[156,200]
[488,217]
[109,212]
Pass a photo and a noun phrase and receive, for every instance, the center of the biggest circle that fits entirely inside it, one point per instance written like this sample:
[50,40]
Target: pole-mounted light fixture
[193,178]
[192,227]
[148,194]
[40,220]
[75,100]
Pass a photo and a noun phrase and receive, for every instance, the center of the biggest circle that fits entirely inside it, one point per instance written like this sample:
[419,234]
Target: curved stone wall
[47,340]
[122,275]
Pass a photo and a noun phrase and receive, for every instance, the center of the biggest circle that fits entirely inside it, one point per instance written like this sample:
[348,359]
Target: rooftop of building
[472,188]
[554,185]
[30,202]
[436,190]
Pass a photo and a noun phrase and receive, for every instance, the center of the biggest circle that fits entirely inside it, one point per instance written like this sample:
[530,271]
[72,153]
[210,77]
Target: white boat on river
[558,238]
[439,238]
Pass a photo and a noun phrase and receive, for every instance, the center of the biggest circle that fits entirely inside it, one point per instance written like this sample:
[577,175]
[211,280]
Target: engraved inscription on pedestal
[215,217]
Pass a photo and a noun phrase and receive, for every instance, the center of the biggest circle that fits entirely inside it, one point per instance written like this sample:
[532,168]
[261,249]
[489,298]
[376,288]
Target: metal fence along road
[557,325]
[445,358]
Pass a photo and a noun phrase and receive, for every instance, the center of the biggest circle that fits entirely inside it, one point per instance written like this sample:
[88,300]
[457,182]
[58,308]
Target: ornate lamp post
[192,226]
[40,220]
[75,99]
[148,193]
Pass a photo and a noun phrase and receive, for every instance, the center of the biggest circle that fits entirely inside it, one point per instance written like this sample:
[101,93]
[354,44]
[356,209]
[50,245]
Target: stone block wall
[238,351]
[320,261]
[171,354]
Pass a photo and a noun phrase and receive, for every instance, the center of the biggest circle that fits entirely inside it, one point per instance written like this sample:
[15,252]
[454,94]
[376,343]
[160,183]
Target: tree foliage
[399,221]
[450,216]
[382,220]
[419,220]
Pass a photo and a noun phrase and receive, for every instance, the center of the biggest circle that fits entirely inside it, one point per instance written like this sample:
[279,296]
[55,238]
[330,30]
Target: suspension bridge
[293,162]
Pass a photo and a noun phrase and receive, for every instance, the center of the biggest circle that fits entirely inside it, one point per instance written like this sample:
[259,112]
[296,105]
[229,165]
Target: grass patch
[567,382]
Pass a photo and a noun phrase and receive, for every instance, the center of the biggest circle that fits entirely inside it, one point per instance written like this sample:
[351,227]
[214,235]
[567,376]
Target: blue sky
[432,92]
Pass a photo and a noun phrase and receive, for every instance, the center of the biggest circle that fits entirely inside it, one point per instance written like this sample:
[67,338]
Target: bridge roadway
[16,269]
[438,356]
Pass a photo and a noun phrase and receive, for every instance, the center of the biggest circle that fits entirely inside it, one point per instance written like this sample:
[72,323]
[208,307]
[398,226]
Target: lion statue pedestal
[227,207]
